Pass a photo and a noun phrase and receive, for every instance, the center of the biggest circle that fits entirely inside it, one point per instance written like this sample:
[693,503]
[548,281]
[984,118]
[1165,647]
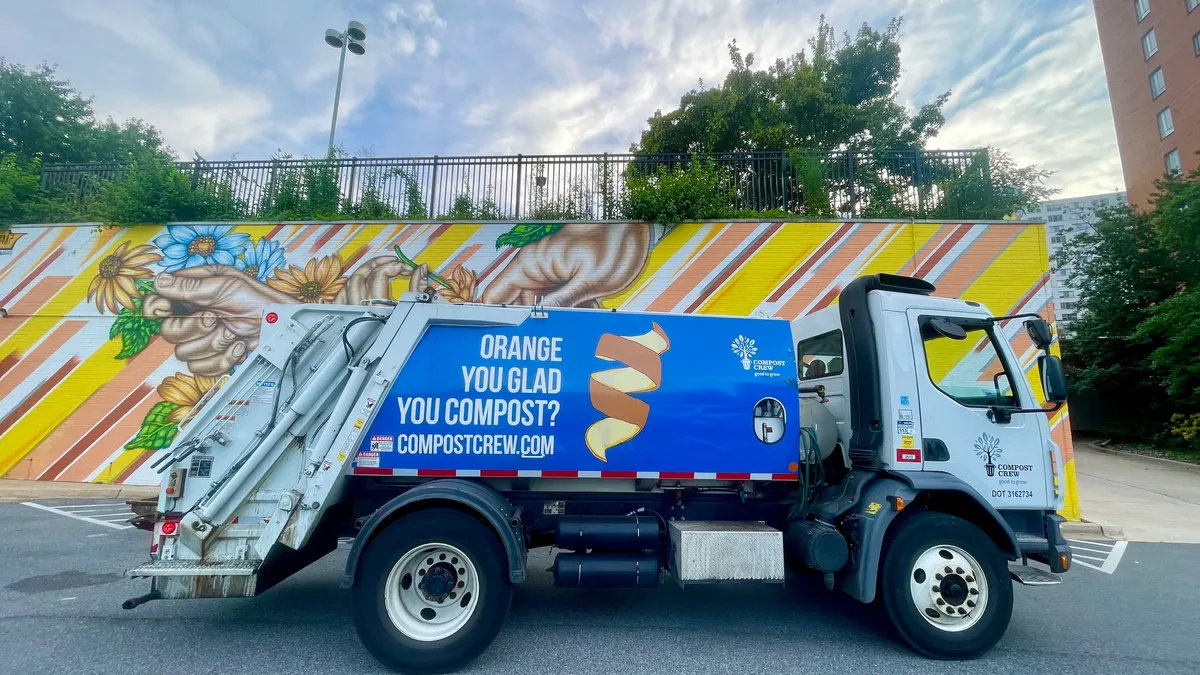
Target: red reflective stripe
[560,474]
[371,471]
[677,475]
[440,473]
[733,476]
[618,474]
[783,476]
[497,473]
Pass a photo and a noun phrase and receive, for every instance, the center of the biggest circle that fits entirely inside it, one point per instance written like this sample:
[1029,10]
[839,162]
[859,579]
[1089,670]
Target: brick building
[1151,54]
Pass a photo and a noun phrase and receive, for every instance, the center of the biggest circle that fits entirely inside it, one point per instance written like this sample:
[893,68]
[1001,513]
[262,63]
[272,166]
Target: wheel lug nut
[948,569]
[970,580]
[970,603]
[941,601]
[938,577]
[958,570]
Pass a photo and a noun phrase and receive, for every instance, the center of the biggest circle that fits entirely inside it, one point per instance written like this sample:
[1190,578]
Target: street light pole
[337,95]
[351,40]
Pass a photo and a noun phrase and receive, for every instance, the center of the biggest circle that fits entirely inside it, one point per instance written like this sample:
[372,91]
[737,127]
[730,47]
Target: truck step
[1032,576]
[720,551]
[195,568]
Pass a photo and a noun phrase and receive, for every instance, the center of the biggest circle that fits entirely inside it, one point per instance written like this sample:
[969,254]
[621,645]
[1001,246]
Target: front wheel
[432,592]
[946,586]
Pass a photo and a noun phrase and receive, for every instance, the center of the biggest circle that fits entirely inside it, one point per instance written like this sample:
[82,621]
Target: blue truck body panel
[593,391]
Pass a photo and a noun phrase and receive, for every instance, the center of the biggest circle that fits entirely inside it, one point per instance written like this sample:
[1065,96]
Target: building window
[1055,219]
[1149,44]
[1067,305]
[1158,84]
[1059,239]
[1142,7]
[1065,294]
[1174,168]
[1166,125]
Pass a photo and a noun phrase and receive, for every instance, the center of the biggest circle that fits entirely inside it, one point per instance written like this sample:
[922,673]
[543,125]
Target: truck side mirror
[1054,382]
[1040,332]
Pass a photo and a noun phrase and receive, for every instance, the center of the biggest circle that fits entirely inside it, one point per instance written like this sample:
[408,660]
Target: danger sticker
[368,460]
[383,443]
[907,455]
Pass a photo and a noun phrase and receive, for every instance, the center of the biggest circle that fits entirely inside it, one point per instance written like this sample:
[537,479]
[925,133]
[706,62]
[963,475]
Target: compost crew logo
[988,449]
[610,390]
[745,349]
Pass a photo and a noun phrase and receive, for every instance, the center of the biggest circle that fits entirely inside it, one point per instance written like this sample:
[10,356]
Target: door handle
[935,450]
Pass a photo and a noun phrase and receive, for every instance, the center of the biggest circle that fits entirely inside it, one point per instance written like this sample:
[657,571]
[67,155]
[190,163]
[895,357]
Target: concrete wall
[113,334]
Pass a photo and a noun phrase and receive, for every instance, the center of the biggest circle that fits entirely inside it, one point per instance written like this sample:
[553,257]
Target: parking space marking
[1107,558]
[78,516]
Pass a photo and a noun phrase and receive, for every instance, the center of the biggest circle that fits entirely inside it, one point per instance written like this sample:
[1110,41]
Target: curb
[1133,456]
[1082,529]
[13,490]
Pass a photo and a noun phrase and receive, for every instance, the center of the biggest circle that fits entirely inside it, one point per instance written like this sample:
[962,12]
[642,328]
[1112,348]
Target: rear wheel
[946,586]
[432,592]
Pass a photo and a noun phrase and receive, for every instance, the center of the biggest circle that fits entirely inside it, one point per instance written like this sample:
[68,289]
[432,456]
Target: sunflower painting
[184,391]
[116,285]
[319,281]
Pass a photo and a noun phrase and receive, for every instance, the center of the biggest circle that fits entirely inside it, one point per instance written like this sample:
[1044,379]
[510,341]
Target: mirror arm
[1001,415]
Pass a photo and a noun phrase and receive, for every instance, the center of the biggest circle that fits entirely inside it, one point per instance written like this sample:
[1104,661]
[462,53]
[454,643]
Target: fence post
[195,174]
[433,190]
[271,186]
[850,175]
[353,177]
[920,181]
[517,213]
[786,174]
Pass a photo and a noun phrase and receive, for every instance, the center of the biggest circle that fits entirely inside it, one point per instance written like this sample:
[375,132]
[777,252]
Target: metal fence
[906,183]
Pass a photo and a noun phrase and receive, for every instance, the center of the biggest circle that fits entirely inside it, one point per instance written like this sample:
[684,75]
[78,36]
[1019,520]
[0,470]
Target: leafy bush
[674,195]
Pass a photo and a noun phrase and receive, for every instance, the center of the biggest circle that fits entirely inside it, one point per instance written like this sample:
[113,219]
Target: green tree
[1138,332]
[152,190]
[836,95]
[43,116]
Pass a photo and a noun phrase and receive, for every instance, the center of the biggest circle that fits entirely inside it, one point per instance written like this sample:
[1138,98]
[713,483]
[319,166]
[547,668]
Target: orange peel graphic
[611,389]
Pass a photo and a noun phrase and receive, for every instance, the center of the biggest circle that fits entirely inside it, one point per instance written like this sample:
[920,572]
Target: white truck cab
[946,401]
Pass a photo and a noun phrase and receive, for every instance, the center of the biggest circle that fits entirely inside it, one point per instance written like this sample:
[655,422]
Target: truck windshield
[970,371]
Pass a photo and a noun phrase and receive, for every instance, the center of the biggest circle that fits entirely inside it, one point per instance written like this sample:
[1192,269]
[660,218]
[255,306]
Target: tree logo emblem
[744,348]
[988,449]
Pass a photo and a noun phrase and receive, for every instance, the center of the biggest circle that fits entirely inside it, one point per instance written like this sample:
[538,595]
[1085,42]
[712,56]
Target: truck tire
[431,592]
[946,586]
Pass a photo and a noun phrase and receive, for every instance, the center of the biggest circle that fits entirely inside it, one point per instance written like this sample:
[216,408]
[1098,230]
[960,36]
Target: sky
[246,79]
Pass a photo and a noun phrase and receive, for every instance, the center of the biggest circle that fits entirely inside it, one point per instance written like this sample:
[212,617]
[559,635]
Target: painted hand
[372,280]
[575,267]
[211,313]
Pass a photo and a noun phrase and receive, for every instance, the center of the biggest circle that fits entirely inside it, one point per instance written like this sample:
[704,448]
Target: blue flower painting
[191,245]
[262,259]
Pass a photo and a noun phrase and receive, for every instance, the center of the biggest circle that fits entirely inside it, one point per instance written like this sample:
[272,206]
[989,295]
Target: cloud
[545,76]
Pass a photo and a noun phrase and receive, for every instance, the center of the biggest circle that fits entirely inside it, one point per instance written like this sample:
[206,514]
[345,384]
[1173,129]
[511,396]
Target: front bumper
[1053,550]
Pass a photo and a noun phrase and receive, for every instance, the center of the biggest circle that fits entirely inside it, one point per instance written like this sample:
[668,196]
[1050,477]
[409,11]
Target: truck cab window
[970,371]
[820,356]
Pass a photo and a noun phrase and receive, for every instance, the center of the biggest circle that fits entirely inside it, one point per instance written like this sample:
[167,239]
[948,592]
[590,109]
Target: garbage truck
[891,445]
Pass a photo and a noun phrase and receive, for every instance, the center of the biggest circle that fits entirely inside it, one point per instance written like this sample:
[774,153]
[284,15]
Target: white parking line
[87,506]
[1111,553]
[75,516]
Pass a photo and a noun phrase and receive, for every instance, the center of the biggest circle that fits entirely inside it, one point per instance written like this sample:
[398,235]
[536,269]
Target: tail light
[167,526]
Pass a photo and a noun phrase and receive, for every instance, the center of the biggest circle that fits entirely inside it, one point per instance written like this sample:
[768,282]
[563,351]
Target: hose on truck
[810,474]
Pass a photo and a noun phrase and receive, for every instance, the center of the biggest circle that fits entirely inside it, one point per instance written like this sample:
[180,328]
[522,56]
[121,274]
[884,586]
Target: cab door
[966,378]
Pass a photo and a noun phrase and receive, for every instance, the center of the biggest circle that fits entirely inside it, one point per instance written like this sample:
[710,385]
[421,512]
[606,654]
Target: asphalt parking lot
[1132,609]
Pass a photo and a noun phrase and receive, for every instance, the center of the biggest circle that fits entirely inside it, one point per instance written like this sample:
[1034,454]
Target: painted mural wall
[114,334]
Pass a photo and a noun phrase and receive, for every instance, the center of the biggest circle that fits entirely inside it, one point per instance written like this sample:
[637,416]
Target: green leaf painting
[135,330]
[527,233]
[156,432]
